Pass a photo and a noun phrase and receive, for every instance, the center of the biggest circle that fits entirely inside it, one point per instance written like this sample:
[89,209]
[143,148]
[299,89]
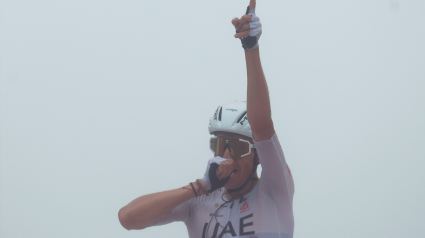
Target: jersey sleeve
[179,213]
[275,175]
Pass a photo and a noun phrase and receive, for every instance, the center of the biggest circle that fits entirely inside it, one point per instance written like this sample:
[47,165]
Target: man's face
[243,165]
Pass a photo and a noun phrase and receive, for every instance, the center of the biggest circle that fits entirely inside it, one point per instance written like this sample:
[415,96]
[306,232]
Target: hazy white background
[105,101]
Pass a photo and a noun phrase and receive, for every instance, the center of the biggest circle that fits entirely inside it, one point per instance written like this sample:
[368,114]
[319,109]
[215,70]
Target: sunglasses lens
[237,147]
[213,144]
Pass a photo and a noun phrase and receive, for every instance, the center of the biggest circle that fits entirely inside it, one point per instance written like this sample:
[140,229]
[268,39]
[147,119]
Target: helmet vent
[240,118]
[219,114]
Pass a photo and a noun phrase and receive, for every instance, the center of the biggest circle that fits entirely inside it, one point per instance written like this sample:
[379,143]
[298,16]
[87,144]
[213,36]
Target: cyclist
[230,200]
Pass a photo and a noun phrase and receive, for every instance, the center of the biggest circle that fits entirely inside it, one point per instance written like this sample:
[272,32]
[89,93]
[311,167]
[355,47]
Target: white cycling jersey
[265,212]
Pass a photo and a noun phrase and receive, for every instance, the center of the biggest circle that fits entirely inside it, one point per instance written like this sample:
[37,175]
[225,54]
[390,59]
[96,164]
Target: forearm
[145,210]
[258,101]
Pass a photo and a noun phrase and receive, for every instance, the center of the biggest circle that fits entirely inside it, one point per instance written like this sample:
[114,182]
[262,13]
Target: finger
[226,172]
[244,19]
[230,168]
[238,23]
[252,4]
[235,21]
[223,171]
[219,173]
[226,169]
[242,34]
[244,27]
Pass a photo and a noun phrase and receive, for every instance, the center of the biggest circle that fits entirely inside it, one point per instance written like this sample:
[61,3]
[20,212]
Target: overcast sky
[105,101]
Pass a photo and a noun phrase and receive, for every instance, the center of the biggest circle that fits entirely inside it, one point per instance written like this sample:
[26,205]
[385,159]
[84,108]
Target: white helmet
[231,117]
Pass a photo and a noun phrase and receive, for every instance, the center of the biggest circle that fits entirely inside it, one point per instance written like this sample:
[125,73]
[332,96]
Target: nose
[227,154]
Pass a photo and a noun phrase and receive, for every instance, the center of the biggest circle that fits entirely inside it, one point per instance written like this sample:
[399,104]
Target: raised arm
[258,101]
[248,29]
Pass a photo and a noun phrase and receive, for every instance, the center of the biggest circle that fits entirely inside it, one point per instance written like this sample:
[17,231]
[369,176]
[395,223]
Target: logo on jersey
[245,207]
[216,215]
[245,226]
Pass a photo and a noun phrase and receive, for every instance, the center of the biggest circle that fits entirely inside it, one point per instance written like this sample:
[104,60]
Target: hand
[225,169]
[240,24]
[248,28]
[211,179]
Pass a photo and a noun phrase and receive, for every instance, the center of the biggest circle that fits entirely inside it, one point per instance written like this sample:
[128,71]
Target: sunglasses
[238,147]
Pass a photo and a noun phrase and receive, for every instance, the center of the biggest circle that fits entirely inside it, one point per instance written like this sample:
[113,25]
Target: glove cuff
[249,43]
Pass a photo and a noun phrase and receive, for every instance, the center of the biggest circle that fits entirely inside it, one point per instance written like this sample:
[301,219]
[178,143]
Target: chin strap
[254,168]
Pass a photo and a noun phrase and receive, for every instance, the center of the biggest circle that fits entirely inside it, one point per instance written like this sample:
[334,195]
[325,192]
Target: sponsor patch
[245,207]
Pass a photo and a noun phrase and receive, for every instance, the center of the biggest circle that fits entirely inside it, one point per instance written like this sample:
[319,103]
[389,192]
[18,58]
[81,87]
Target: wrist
[202,187]
[196,189]
[254,51]
[193,187]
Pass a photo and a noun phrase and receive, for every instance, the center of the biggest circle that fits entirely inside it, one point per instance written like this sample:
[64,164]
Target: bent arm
[145,210]
[258,101]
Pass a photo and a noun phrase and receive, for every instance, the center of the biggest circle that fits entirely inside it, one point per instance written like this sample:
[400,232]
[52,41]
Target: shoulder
[204,199]
[266,144]
[263,133]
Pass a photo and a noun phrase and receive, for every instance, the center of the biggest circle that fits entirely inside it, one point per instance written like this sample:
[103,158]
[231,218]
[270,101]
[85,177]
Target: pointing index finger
[238,23]
[251,5]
